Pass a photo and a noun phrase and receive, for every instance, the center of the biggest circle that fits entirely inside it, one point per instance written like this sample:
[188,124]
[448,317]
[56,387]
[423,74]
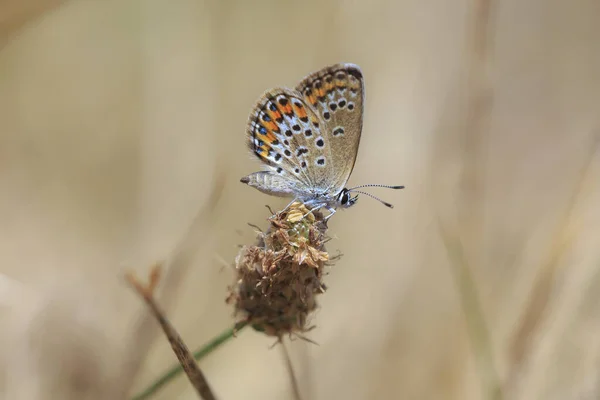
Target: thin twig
[176,370]
[192,370]
[290,369]
[176,265]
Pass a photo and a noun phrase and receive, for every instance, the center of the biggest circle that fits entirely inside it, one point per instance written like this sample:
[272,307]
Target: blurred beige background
[118,118]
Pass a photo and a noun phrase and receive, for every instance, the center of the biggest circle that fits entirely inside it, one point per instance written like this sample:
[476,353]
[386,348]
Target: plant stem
[198,354]
[290,368]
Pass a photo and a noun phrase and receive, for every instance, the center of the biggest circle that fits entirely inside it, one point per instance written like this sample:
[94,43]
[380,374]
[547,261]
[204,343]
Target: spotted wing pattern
[287,135]
[337,93]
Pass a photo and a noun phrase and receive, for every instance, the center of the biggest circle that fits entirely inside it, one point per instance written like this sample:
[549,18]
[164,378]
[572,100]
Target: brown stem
[192,370]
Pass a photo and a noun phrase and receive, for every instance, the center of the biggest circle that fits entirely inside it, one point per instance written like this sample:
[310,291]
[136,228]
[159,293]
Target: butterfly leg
[317,208]
[331,212]
[288,206]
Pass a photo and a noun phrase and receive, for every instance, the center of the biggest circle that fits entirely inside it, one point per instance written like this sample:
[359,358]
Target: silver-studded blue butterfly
[308,139]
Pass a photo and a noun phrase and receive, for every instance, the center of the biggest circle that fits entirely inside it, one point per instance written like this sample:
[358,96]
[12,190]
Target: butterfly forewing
[336,93]
[286,134]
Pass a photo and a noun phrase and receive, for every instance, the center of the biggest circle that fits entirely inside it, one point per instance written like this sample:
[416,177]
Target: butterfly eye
[345,198]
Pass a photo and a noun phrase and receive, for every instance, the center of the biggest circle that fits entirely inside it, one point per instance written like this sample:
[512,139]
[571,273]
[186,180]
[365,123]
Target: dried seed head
[279,277]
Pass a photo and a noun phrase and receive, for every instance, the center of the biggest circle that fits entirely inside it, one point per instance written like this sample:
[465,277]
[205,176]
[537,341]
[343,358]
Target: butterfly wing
[288,137]
[337,94]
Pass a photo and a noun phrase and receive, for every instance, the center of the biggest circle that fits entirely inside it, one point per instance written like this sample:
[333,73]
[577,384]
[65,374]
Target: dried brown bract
[280,276]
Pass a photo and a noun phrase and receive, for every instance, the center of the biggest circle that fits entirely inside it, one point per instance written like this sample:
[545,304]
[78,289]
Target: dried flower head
[279,278]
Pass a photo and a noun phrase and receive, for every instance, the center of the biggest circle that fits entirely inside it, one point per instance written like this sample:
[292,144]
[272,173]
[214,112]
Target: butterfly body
[307,138]
[269,183]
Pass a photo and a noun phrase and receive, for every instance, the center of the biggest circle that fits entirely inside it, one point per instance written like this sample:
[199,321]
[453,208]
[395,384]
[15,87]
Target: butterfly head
[345,199]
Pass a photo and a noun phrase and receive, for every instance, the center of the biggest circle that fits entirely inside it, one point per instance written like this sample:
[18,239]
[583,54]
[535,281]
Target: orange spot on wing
[300,111]
[274,114]
[287,109]
[271,126]
[263,151]
[312,99]
[328,86]
[268,139]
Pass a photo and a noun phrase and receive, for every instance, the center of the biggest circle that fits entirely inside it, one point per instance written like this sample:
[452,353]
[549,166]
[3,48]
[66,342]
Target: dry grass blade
[479,103]
[16,14]
[540,295]
[476,325]
[479,97]
[183,354]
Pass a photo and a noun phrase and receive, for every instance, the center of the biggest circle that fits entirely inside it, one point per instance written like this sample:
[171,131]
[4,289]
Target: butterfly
[308,138]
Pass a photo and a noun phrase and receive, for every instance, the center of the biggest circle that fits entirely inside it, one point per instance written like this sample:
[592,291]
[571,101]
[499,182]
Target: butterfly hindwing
[336,93]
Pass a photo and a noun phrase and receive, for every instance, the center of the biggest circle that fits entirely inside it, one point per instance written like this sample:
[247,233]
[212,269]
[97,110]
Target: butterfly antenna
[377,185]
[385,203]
